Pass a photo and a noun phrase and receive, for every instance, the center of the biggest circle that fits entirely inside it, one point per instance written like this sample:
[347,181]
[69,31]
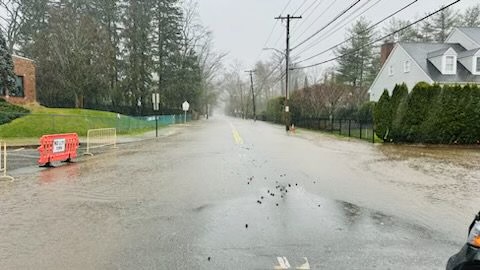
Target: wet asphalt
[234,194]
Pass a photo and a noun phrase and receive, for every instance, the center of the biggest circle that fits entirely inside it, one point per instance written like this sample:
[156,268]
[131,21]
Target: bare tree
[12,21]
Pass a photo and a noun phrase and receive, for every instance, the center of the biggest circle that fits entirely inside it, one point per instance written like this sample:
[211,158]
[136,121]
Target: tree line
[112,54]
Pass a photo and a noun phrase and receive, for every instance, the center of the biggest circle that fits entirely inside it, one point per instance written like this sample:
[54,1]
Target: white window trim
[390,70]
[476,67]
[407,66]
[449,72]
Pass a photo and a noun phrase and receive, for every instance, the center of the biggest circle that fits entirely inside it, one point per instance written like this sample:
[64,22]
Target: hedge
[10,112]
[430,114]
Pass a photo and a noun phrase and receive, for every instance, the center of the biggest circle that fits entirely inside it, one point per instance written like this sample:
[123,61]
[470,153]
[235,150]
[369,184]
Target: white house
[457,61]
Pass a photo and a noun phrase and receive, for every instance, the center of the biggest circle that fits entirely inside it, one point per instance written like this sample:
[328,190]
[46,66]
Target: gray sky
[241,27]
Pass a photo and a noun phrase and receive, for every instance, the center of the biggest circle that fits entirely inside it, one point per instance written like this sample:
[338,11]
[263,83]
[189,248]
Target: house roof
[472,32]
[22,57]
[468,53]
[436,53]
[420,54]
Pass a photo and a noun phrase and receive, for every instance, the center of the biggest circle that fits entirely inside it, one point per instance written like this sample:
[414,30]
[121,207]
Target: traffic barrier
[3,162]
[58,147]
[100,138]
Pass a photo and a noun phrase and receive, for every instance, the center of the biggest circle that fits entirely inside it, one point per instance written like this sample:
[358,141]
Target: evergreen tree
[138,54]
[410,34]
[357,65]
[439,26]
[418,107]
[7,76]
[399,108]
[383,116]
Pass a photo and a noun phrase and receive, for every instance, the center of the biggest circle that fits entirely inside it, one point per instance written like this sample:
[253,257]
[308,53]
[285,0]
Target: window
[449,64]
[390,70]
[406,66]
[477,68]
[18,90]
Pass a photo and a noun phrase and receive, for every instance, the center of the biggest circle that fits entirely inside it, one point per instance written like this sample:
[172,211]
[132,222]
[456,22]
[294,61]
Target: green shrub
[275,110]
[430,114]
[399,109]
[383,116]
[10,112]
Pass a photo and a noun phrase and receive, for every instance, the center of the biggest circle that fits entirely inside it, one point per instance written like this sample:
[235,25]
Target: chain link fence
[34,125]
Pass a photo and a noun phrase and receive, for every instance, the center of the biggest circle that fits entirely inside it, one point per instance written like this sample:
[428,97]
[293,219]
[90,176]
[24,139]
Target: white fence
[3,162]
[103,137]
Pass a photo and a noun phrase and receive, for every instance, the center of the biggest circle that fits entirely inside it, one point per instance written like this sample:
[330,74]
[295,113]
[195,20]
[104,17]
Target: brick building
[25,82]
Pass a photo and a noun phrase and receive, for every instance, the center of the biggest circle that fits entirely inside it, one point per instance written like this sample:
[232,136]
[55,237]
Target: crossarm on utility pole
[287,68]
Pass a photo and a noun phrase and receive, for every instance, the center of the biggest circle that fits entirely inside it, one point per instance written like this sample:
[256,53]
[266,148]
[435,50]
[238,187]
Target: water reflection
[69,172]
[351,212]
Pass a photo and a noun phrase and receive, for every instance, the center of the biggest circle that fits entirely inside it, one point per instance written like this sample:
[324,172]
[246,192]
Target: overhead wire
[338,26]
[316,19]
[379,39]
[301,22]
[273,28]
[343,12]
[361,32]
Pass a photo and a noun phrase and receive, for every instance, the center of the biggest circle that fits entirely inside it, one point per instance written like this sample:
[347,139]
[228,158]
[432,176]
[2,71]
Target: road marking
[282,263]
[236,136]
[305,266]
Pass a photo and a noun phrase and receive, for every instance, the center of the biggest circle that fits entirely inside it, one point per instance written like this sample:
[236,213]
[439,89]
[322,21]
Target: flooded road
[233,194]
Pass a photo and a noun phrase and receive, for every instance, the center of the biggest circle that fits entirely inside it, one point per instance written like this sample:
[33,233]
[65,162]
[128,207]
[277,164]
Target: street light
[277,50]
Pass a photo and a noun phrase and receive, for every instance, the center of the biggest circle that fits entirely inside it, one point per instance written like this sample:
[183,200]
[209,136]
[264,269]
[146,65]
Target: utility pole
[287,69]
[253,94]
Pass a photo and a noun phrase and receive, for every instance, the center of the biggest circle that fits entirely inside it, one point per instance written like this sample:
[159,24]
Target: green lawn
[43,121]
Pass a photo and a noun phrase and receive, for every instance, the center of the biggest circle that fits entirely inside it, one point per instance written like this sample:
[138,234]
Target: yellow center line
[236,136]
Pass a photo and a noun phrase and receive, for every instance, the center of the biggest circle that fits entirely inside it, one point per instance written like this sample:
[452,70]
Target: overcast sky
[241,27]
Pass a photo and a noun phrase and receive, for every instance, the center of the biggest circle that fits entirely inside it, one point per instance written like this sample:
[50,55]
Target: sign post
[156,107]
[185,107]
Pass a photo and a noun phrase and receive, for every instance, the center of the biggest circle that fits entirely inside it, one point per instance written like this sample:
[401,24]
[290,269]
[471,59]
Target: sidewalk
[162,132]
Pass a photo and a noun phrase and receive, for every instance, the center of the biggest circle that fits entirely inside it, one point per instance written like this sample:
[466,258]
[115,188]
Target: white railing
[103,137]
[3,162]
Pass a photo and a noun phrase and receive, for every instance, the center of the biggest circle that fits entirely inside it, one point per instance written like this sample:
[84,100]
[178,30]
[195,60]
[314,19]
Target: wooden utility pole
[253,93]
[287,69]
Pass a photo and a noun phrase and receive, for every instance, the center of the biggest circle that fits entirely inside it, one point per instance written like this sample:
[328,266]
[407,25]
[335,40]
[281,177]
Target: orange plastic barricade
[58,147]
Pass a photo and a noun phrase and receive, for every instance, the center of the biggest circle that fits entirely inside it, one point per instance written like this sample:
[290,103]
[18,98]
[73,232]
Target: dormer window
[449,66]
[477,69]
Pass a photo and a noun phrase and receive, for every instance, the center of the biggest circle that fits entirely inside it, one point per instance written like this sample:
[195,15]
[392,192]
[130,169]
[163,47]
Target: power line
[337,27]
[311,11]
[328,24]
[318,18]
[273,28]
[361,32]
[303,4]
[380,39]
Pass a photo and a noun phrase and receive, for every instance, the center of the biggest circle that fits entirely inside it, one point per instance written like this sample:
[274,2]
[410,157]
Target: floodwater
[201,199]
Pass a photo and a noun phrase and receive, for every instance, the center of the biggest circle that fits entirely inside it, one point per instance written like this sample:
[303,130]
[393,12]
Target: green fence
[35,125]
